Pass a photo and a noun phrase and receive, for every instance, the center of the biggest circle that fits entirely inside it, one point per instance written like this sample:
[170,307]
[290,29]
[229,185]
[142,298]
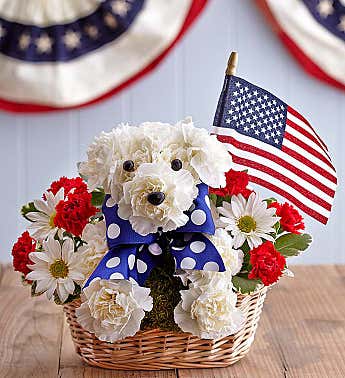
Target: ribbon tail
[145,262]
[198,253]
[115,265]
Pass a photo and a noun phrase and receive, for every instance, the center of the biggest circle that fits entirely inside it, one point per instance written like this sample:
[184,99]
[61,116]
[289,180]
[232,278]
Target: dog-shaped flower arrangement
[164,234]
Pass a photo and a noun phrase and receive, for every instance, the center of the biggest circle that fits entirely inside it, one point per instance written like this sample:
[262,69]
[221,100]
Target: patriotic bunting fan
[64,54]
[314,33]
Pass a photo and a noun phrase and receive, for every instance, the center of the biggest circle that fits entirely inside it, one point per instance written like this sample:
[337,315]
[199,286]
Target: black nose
[156,198]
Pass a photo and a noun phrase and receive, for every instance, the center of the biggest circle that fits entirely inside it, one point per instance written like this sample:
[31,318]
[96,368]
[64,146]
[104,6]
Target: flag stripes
[295,179]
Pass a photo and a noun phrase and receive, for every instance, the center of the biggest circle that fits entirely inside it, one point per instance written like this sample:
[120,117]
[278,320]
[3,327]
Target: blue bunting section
[132,256]
[68,41]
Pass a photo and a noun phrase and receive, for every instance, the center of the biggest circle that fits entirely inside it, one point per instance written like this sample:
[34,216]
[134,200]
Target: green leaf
[28,208]
[97,197]
[213,197]
[244,285]
[292,244]
[270,200]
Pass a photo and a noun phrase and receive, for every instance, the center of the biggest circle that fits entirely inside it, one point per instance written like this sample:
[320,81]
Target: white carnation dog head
[152,171]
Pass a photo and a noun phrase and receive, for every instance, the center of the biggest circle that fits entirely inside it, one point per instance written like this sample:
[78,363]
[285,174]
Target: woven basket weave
[156,349]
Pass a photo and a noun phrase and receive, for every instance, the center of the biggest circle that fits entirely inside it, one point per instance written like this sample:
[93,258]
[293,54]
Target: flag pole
[232,63]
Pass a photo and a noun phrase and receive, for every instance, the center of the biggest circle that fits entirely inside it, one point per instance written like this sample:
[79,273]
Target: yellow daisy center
[58,269]
[51,220]
[246,224]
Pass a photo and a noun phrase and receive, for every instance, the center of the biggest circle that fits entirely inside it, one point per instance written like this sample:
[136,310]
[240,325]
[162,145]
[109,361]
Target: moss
[165,290]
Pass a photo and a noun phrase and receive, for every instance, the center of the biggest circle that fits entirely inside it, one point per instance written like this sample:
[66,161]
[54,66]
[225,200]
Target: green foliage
[243,284]
[28,208]
[221,199]
[98,197]
[270,200]
[292,244]
[165,290]
[213,198]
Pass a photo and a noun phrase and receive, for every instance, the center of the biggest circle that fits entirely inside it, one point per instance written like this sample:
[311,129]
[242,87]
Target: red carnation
[68,184]
[236,183]
[267,263]
[74,212]
[20,252]
[291,220]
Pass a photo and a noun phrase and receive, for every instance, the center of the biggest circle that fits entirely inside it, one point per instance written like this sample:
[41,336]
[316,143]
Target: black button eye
[176,164]
[128,165]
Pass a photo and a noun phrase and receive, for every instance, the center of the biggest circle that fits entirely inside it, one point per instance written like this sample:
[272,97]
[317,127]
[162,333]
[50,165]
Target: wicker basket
[156,349]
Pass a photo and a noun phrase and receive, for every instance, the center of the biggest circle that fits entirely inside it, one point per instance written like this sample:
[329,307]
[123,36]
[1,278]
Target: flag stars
[110,21]
[71,39]
[92,31]
[237,84]
[325,8]
[120,7]
[44,44]
[24,41]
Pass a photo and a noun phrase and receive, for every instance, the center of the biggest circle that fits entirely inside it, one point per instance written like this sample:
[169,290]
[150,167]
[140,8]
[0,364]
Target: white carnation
[179,191]
[232,258]
[113,309]
[209,313]
[105,154]
[207,156]
[92,253]
[146,145]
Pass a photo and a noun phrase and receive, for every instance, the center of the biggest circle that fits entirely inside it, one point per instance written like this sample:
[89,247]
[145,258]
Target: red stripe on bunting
[196,8]
[307,64]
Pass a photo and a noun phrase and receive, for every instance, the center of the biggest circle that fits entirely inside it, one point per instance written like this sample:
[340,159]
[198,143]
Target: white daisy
[55,269]
[43,225]
[248,220]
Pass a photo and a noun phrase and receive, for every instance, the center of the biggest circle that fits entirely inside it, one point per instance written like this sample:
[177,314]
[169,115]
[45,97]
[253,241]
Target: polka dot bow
[132,256]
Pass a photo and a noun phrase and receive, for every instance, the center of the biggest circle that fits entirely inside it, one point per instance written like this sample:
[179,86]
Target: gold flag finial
[232,64]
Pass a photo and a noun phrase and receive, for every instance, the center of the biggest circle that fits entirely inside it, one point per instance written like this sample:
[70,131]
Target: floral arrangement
[157,232]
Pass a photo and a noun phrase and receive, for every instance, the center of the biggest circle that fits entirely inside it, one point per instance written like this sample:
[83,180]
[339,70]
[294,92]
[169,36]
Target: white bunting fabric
[314,33]
[61,54]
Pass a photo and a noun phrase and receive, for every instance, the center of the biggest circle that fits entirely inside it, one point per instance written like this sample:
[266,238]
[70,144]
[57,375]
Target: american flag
[279,148]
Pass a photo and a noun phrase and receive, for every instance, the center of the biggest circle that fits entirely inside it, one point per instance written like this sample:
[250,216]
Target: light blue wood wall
[34,150]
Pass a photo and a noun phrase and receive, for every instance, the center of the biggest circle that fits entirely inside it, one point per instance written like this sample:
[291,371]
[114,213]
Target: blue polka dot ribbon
[132,256]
